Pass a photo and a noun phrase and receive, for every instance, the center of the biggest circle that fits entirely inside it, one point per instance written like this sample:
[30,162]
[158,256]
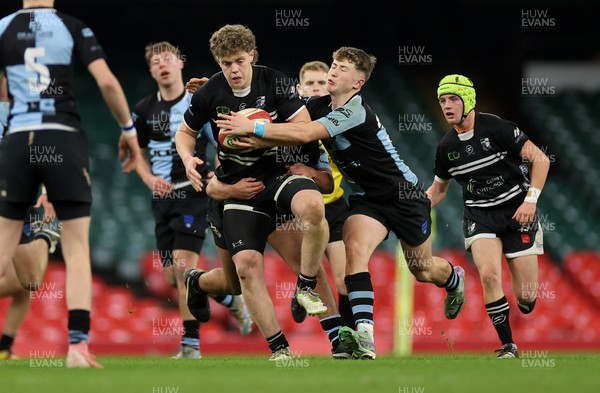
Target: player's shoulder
[318,106]
[142,106]
[6,21]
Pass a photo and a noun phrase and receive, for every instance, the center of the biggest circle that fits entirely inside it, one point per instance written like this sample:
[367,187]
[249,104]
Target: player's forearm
[184,143]
[143,168]
[287,133]
[436,195]
[539,171]
[217,190]
[115,99]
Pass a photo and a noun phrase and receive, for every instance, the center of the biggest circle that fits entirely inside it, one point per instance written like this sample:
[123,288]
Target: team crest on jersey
[485,143]
[260,102]
[188,220]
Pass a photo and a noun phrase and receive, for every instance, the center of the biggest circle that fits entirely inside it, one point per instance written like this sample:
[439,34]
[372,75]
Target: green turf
[418,374]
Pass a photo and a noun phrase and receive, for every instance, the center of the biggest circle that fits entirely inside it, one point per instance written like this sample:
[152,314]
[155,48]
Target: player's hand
[195,83]
[49,212]
[300,170]
[158,185]
[129,152]
[235,124]
[246,188]
[525,214]
[192,174]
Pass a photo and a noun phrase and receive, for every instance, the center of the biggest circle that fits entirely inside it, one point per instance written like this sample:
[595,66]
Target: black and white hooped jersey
[37,47]
[270,90]
[485,161]
[361,148]
[157,121]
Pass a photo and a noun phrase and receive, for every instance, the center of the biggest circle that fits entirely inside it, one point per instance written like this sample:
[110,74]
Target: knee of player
[490,279]
[32,281]
[311,210]
[249,265]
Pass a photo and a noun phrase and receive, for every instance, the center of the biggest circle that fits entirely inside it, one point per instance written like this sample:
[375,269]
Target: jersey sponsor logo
[485,144]
[344,111]
[453,155]
[333,120]
[469,149]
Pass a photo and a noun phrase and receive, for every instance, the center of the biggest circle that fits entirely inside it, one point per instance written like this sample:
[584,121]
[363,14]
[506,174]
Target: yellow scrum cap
[461,86]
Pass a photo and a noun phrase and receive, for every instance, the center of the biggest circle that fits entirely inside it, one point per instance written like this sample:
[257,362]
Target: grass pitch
[539,372]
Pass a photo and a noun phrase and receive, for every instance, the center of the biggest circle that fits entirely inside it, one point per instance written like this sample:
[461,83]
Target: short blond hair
[232,39]
[158,48]
[313,66]
[362,61]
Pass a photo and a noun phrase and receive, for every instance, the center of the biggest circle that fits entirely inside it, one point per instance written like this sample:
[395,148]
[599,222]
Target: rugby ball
[227,141]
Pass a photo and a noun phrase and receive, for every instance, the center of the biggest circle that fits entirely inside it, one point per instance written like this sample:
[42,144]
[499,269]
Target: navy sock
[362,297]
[452,283]
[277,341]
[226,300]
[191,331]
[79,326]
[306,281]
[6,342]
[346,311]
[331,325]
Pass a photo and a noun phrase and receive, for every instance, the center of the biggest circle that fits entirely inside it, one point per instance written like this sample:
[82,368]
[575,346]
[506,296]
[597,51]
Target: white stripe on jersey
[246,160]
[44,126]
[513,192]
[481,163]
